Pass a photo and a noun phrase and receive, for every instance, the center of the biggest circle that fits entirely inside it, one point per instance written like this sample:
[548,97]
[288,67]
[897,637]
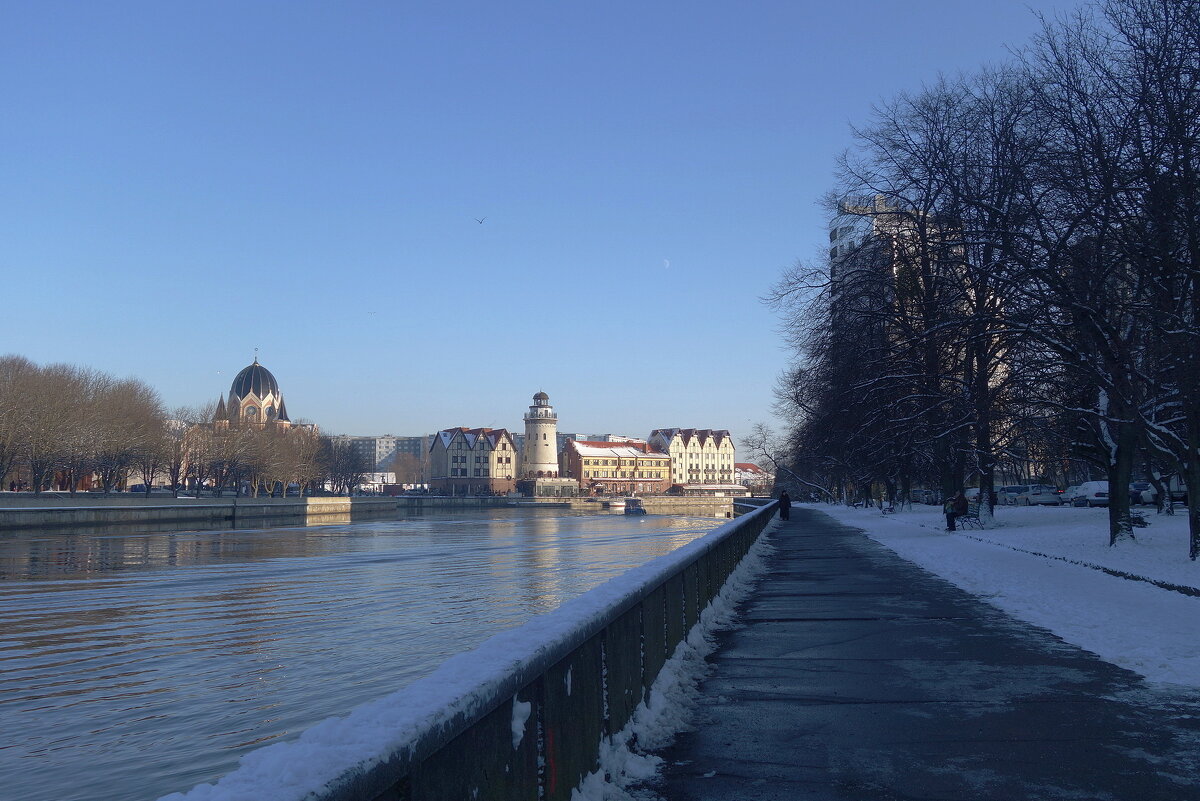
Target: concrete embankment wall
[581,684]
[702,506]
[88,512]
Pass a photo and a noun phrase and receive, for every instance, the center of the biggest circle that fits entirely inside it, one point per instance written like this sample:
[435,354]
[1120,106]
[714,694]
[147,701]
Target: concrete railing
[743,505]
[522,716]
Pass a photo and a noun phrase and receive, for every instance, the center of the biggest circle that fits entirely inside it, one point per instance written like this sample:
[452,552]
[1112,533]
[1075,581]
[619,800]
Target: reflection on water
[135,662]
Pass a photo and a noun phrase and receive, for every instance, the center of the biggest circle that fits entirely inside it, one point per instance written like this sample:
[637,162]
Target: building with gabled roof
[473,461]
[698,455]
[753,476]
[617,468]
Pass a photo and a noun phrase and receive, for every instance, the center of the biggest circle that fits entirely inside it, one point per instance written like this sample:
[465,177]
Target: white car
[1038,495]
[1141,492]
[1091,493]
[1008,495]
[1069,494]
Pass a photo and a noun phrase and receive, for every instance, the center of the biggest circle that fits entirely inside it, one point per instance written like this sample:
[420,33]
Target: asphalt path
[858,676]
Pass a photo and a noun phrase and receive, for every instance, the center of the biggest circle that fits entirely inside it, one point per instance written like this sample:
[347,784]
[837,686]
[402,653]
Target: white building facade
[698,455]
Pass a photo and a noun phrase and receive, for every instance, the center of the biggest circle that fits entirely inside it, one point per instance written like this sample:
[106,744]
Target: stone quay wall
[86,511]
[92,510]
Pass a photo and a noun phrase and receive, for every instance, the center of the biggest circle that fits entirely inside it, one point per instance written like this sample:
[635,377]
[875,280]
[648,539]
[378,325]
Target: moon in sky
[666,264]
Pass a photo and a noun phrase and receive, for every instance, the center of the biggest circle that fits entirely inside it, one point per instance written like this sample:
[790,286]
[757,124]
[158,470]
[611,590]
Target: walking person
[785,506]
[955,507]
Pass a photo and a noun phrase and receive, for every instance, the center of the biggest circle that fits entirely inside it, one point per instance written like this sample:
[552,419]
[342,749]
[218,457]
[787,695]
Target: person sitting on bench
[955,507]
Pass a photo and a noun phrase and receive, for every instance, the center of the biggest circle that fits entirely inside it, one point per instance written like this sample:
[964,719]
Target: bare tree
[408,468]
[16,373]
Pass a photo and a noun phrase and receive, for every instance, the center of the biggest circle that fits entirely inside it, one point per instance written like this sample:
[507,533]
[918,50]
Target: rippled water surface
[136,664]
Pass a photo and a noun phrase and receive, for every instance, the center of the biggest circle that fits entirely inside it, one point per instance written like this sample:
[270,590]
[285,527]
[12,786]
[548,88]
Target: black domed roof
[541,396]
[255,379]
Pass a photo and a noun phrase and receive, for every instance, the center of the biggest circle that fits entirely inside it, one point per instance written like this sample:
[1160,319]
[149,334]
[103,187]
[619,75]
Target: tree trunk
[1192,479]
[1120,471]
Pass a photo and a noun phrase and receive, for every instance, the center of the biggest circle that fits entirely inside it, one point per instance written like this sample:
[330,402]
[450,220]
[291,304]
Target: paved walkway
[859,676]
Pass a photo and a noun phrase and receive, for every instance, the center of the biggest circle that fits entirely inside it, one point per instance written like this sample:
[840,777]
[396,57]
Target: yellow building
[617,468]
[698,455]
[473,461]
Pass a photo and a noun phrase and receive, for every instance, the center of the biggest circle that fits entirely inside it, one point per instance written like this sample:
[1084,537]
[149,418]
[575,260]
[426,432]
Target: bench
[971,518]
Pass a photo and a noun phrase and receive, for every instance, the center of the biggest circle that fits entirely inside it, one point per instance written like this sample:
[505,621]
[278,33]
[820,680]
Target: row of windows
[479,459]
[621,474]
[462,471]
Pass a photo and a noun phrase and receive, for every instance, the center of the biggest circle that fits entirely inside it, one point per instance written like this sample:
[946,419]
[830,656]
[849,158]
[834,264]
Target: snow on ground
[625,764]
[1134,624]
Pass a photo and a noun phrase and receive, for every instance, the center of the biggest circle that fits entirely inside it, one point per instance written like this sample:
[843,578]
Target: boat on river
[633,506]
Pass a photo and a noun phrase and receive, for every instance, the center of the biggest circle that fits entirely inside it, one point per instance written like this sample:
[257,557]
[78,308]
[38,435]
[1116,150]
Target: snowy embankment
[1051,566]
[341,752]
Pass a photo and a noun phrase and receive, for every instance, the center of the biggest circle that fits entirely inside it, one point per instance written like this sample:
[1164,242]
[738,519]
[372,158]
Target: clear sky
[181,183]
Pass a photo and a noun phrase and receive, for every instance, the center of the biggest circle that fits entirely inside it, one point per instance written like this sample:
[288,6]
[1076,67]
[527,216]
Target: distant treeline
[72,428]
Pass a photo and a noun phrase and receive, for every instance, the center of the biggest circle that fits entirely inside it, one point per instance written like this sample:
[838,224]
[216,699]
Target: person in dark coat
[785,506]
[955,507]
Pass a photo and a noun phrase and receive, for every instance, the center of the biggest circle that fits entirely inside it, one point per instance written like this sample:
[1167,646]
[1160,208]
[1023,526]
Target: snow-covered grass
[1041,564]
[625,764]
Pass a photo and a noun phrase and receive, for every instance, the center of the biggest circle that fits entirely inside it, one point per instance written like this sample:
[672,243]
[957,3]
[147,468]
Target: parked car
[1038,495]
[1068,495]
[1008,495]
[1092,493]
[1141,492]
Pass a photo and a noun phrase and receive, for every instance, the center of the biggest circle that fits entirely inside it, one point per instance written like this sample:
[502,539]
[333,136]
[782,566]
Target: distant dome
[541,396]
[256,380]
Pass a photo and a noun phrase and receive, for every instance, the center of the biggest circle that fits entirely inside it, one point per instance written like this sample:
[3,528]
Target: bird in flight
[480,220]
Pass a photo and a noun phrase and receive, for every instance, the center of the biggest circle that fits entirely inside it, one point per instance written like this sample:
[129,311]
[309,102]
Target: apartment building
[473,461]
[698,455]
[617,468]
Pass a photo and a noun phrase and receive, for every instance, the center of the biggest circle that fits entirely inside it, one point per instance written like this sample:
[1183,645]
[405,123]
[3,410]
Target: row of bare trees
[1017,273]
[64,427]
[64,424]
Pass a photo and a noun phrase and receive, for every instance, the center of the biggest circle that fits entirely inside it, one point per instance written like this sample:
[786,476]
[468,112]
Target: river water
[135,663]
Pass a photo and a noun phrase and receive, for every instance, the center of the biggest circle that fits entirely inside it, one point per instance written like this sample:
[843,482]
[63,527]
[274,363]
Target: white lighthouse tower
[540,459]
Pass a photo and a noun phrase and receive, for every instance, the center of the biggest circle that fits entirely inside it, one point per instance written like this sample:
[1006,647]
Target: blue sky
[185,182]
